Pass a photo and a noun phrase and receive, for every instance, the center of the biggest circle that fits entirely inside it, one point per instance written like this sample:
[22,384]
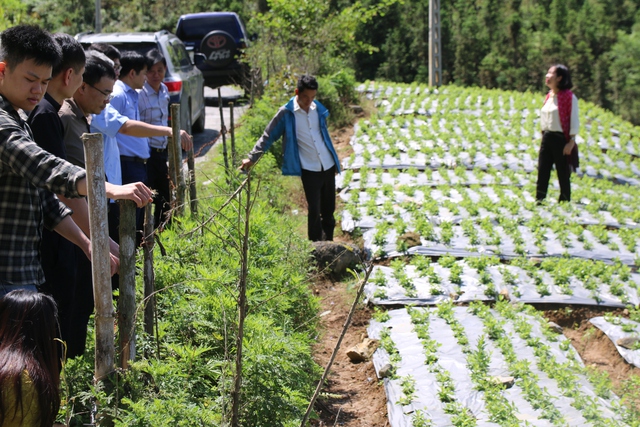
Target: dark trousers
[551,154]
[135,171]
[158,179]
[320,191]
[114,232]
[84,306]
[64,282]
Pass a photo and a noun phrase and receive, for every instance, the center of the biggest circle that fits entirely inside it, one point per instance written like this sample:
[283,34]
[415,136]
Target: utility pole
[435,44]
[98,18]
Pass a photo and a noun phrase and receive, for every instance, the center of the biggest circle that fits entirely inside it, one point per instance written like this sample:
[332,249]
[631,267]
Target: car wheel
[198,126]
[219,48]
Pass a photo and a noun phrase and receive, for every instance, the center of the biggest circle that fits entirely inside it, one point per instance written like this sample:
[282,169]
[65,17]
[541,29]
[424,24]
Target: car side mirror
[199,58]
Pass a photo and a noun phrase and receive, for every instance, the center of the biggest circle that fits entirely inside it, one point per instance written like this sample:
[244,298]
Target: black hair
[154,56]
[72,54]
[563,71]
[97,67]
[307,82]
[24,42]
[28,329]
[111,51]
[132,60]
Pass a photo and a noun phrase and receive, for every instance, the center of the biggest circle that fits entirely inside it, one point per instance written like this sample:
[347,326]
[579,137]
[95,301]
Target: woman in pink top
[29,374]
[559,123]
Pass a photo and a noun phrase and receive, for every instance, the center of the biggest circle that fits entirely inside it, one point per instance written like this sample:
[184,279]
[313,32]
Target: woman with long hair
[559,123]
[29,375]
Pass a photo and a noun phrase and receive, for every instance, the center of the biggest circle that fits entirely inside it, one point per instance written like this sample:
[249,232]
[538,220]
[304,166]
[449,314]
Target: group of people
[51,92]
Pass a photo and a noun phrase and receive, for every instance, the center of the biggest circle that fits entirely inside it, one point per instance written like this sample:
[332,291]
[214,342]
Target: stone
[629,343]
[356,109]
[386,371]
[555,327]
[410,239]
[336,257]
[506,382]
[362,351]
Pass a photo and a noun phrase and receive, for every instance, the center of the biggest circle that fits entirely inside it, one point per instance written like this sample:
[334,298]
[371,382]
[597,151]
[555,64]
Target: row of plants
[600,128]
[511,327]
[450,139]
[561,280]
[369,192]
[467,352]
[506,238]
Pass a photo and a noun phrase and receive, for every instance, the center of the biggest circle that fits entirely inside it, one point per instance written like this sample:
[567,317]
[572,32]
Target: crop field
[441,186]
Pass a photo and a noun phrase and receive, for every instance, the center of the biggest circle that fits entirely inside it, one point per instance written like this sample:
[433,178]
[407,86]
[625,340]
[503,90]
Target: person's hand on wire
[246,165]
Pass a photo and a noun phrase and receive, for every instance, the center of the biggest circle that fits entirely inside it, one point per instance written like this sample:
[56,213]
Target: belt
[158,150]
[133,159]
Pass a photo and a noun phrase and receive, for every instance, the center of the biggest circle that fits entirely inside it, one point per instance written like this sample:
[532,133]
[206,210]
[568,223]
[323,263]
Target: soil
[354,397]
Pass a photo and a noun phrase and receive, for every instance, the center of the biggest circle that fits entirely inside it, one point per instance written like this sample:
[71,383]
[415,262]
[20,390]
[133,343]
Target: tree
[624,84]
[308,36]
[12,12]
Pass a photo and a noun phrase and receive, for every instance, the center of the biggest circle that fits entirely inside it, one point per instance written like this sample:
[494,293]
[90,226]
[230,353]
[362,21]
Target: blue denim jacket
[283,124]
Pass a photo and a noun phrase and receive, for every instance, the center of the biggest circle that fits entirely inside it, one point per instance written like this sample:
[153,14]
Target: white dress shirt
[314,154]
[550,118]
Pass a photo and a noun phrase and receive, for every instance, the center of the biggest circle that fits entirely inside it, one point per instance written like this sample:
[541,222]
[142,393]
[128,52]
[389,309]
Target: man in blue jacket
[307,153]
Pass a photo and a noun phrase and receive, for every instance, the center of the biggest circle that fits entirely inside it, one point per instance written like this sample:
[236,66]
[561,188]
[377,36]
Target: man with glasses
[90,97]
[90,110]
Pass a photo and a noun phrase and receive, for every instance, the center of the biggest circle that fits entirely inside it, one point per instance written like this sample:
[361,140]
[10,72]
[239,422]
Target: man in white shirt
[307,152]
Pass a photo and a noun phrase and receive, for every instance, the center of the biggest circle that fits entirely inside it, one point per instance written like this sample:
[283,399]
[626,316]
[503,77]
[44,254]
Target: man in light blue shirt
[154,109]
[134,151]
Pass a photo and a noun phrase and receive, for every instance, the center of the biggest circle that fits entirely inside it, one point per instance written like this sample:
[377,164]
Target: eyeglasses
[108,96]
[117,68]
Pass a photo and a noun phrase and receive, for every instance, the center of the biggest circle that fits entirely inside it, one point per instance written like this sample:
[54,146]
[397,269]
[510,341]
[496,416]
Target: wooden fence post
[173,176]
[233,136]
[149,275]
[127,298]
[223,131]
[245,214]
[100,259]
[176,149]
[193,197]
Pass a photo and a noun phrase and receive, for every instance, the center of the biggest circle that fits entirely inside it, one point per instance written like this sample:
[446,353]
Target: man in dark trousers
[307,152]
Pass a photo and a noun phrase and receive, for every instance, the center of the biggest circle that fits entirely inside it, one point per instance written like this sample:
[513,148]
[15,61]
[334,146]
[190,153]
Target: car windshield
[199,27]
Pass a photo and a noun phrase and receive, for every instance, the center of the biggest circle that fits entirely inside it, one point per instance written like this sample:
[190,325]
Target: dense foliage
[505,44]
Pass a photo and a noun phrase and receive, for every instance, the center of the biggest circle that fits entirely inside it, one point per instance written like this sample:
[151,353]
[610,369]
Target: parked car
[216,41]
[184,81]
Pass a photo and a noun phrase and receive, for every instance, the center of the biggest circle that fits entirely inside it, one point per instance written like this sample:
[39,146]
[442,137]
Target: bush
[337,92]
